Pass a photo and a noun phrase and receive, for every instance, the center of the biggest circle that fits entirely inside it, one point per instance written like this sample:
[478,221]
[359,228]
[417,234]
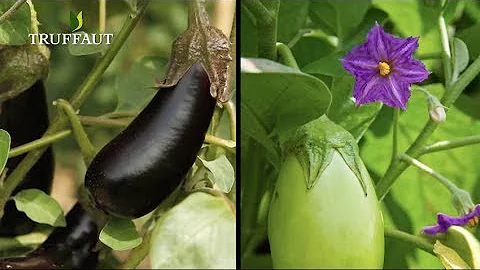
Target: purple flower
[384,68]
[444,221]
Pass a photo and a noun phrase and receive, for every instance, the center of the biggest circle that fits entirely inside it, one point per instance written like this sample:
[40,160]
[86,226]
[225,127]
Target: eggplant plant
[149,135]
[362,142]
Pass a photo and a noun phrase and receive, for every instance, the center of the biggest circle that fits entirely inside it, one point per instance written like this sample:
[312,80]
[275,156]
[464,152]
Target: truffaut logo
[76,23]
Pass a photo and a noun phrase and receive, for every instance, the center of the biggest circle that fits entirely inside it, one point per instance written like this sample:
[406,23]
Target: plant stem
[285,56]
[210,152]
[398,166]
[396,112]
[11,11]
[102,15]
[104,122]
[58,123]
[266,26]
[230,107]
[32,239]
[92,79]
[34,20]
[120,114]
[446,53]
[442,179]
[86,147]
[46,140]
[463,81]
[258,10]
[226,144]
[417,241]
[450,144]
[217,115]
[138,254]
[224,14]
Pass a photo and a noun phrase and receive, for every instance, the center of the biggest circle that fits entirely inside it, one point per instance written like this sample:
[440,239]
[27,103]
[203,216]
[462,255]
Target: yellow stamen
[473,221]
[384,68]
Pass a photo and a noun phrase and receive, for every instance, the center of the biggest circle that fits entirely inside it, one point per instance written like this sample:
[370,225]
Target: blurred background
[139,65]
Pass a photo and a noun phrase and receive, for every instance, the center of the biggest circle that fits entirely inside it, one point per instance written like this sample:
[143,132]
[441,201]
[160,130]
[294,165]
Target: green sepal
[462,201]
[313,144]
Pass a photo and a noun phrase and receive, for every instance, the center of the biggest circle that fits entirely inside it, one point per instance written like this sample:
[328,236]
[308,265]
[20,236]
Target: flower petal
[381,88]
[399,92]
[447,221]
[393,93]
[359,63]
[476,211]
[432,230]
[377,43]
[365,91]
[402,49]
[410,71]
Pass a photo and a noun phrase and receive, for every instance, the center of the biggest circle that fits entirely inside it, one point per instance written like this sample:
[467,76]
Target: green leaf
[120,234]
[360,35]
[472,9]
[257,131]
[411,17]
[15,30]
[135,87]
[344,112]
[449,257]
[222,173]
[465,245]
[197,233]
[40,207]
[5,141]
[450,10]
[460,57]
[292,15]
[281,97]
[86,49]
[329,65]
[310,47]
[339,18]
[397,252]
[472,39]
[414,190]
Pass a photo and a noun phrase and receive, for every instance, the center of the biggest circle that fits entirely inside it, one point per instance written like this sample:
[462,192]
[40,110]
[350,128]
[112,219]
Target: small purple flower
[384,68]
[444,221]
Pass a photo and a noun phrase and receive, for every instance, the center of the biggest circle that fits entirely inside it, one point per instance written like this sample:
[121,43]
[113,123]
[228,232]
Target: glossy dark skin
[69,247]
[140,167]
[25,117]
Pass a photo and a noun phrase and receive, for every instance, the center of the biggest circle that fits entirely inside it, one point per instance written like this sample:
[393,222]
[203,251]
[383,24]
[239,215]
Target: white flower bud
[437,114]
[436,109]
